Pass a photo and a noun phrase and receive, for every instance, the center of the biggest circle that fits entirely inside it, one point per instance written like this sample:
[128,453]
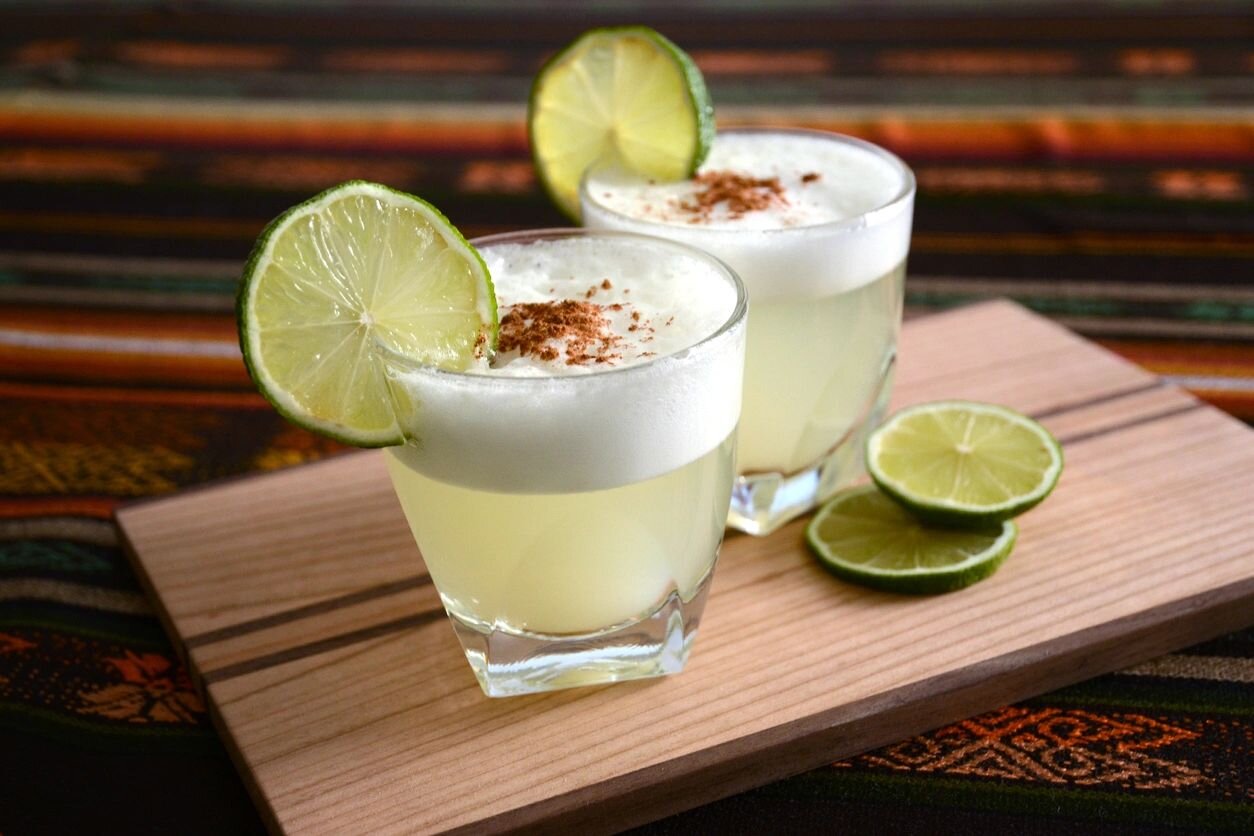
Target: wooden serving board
[304,609]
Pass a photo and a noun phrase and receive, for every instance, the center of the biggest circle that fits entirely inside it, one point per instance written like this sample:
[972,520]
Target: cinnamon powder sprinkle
[740,192]
[605,284]
[811,177]
[532,328]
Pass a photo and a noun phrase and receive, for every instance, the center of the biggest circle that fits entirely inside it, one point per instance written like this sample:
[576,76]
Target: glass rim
[876,215]
[735,318]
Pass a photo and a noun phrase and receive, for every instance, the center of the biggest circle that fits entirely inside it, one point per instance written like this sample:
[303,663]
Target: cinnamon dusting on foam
[605,284]
[740,193]
[576,332]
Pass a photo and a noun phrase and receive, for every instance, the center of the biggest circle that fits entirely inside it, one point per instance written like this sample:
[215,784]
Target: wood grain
[302,606]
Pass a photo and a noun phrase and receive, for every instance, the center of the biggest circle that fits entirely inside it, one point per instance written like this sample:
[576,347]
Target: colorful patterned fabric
[1095,162]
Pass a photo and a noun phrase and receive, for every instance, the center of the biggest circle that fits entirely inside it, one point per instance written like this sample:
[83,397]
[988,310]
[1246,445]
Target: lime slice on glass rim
[963,463]
[332,280]
[862,536]
[625,96]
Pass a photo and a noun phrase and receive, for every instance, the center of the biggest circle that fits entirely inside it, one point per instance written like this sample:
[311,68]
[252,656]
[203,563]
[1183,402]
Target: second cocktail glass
[818,226]
[570,504]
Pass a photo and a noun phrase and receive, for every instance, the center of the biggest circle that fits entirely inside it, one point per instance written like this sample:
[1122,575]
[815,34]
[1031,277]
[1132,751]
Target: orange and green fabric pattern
[1093,161]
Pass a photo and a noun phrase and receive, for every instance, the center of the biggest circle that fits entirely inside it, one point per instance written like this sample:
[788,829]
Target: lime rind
[262,253]
[863,515]
[565,195]
[701,101]
[943,510]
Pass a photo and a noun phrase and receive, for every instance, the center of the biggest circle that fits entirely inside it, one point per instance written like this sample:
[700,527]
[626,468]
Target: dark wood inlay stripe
[302,651]
[317,608]
[1129,424]
[1099,399]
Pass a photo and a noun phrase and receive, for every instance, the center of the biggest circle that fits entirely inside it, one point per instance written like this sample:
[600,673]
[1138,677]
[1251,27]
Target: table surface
[1095,164]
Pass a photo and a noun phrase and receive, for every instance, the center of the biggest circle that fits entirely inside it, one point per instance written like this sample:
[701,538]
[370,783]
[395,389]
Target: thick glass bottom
[510,664]
[762,502]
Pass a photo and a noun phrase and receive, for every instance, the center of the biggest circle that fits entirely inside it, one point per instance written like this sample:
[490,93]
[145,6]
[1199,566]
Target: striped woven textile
[1092,161]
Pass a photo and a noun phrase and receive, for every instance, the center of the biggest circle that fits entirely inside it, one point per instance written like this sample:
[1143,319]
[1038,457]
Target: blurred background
[1094,161]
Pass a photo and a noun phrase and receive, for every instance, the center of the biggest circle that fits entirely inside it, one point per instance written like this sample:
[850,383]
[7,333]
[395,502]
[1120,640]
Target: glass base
[510,664]
[762,502]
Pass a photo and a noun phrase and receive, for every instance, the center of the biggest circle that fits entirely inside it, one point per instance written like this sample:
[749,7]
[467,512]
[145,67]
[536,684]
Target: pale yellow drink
[818,227]
[569,497]
[800,410]
[569,563]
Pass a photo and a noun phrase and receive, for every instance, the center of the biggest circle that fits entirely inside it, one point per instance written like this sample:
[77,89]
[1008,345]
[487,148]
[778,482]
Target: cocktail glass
[825,305]
[571,523]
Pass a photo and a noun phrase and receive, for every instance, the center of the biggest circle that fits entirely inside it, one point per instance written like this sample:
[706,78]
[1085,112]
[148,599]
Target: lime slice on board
[330,281]
[622,96]
[964,463]
[862,536]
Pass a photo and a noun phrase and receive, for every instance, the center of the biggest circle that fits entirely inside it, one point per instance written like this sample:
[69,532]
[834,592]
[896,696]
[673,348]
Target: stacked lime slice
[863,536]
[949,477]
[964,463]
[337,281]
[623,96]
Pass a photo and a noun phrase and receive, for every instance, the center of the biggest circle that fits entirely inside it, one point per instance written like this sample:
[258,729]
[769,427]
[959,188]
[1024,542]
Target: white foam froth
[844,220]
[655,306]
[527,426]
[822,181]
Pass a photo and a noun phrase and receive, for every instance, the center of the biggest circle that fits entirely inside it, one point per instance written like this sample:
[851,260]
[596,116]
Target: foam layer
[527,426]
[840,221]
[654,306]
[821,181]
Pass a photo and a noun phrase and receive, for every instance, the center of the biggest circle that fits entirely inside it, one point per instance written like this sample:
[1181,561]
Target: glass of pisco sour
[817,225]
[559,410]
[569,493]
